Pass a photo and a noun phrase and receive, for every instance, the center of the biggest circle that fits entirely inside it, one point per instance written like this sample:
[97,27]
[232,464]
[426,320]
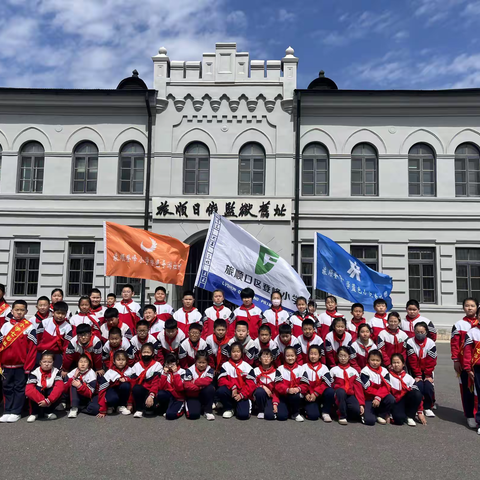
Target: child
[457,343]
[57,296]
[218,311]
[242,336]
[413,317]
[296,319]
[188,314]
[264,342]
[145,376]
[141,338]
[357,312]
[111,300]
[84,316]
[247,312]
[115,343]
[378,399]
[4,306]
[96,308]
[43,309]
[265,381]
[199,390]
[84,343]
[115,387]
[81,384]
[349,395]
[307,339]
[44,389]
[312,309]
[392,339]
[191,345]
[286,339]
[362,346]
[320,391]
[236,384]
[112,319]
[326,318]
[471,362]
[275,315]
[171,338]
[128,310]
[217,345]
[155,324]
[289,388]
[171,396]
[422,359]
[18,348]
[407,395]
[162,309]
[54,334]
[335,339]
[379,321]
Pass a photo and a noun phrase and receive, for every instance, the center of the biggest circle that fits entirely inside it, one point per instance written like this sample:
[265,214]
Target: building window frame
[416,289]
[89,157]
[121,281]
[467,265]
[78,265]
[310,176]
[129,174]
[369,261]
[307,251]
[421,171]
[466,177]
[199,175]
[33,174]
[364,171]
[253,164]
[30,268]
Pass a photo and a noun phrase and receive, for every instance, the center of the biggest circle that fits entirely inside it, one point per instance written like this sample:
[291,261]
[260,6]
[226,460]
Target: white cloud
[237,18]
[435,11]
[285,15]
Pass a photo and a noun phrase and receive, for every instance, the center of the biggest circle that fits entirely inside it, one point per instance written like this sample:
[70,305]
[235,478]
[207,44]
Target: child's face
[311,309]
[218,297]
[127,293]
[314,356]
[95,299]
[381,308]
[19,312]
[84,338]
[110,301]
[115,340]
[83,365]
[266,360]
[57,297]
[420,330]
[187,302]
[201,364]
[470,308]
[285,338]
[46,363]
[301,306]
[307,331]
[43,306]
[142,332]
[330,304]
[357,313]
[247,301]
[236,354]
[112,322]
[393,323]
[147,352]
[397,365]
[340,328]
[194,335]
[343,358]
[84,306]
[412,311]
[264,336]
[160,296]
[241,332]
[374,361]
[364,334]
[120,362]
[290,357]
[220,332]
[149,314]
[170,365]
[171,333]
[59,316]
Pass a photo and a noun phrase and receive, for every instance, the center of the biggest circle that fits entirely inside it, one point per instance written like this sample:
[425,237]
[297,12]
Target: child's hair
[394,314]
[114,331]
[218,290]
[241,323]
[195,326]
[170,323]
[343,349]
[161,289]
[47,353]
[19,302]
[379,301]
[247,293]
[300,299]
[142,323]
[290,348]
[188,293]
[130,286]
[110,313]
[171,358]
[2,288]
[265,328]
[60,306]
[374,353]
[266,351]
[284,329]
[57,290]
[85,357]
[357,305]
[43,298]
[220,322]
[338,320]
[470,298]
[413,302]
[236,344]
[308,321]
[331,297]
[362,325]
[274,292]
[147,345]
[150,307]
[313,347]
[83,297]
[421,324]
[120,353]
[201,354]
[312,303]
[84,328]
[94,290]
[111,294]
[399,356]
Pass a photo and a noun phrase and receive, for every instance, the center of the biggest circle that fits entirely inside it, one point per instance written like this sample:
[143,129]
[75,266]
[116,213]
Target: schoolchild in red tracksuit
[83,343]
[379,321]
[275,315]
[357,312]
[43,310]
[81,384]
[362,346]
[218,311]
[326,318]
[265,386]
[336,338]
[217,343]
[297,318]
[392,339]
[413,317]
[143,336]
[84,316]
[247,312]
[128,310]
[307,339]
[264,341]
[191,345]
[163,309]
[471,363]
[115,343]
[188,314]
[112,319]
[286,339]
[171,338]
[171,394]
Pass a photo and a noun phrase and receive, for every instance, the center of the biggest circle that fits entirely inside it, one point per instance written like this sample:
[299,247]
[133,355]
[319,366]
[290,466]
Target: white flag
[233,259]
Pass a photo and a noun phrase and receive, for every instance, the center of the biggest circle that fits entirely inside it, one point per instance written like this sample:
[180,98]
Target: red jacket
[194,381]
[128,313]
[290,376]
[74,350]
[375,383]
[218,353]
[389,343]
[352,328]
[88,382]
[421,358]
[471,352]
[252,315]
[215,313]
[354,386]
[53,382]
[317,377]
[238,375]
[23,351]
[459,331]
[48,338]
[150,380]
[173,383]
[111,379]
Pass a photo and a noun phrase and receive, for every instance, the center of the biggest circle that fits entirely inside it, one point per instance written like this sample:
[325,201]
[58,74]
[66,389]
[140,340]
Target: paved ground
[123,447]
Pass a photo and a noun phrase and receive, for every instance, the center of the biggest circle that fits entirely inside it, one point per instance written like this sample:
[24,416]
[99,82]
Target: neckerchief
[218,310]
[293,377]
[265,374]
[44,377]
[238,371]
[346,378]
[399,377]
[142,376]
[223,341]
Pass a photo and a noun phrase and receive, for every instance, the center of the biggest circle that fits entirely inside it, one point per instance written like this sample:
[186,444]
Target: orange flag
[131,252]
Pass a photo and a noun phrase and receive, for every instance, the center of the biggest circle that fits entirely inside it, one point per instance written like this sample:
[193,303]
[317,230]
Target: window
[251,170]
[26,267]
[132,166]
[467,171]
[196,169]
[85,168]
[307,271]
[367,255]
[32,160]
[421,274]
[364,170]
[81,264]
[315,170]
[421,171]
[1,151]
[121,281]
[468,273]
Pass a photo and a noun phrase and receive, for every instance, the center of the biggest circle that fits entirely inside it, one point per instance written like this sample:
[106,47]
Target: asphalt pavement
[123,447]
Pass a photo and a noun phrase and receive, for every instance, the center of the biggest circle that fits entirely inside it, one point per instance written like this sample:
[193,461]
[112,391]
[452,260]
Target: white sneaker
[478,431]
[428,413]
[73,413]
[61,407]
[210,416]
[228,414]
[299,418]
[14,418]
[343,421]
[5,418]
[124,410]
[411,422]
[470,422]
[109,410]
[32,418]
[261,416]
[138,414]
[381,421]
[326,417]
[51,416]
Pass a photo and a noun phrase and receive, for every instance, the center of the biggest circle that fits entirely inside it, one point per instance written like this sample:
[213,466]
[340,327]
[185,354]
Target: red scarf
[93,320]
[169,342]
[332,314]
[357,323]
[246,309]
[186,313]
[422,349]
[395,340]
[112,354]
[276,310]
[45,377]
[316,367]
[383,317]
[85,349]
[58,338]
[340,340]
[265,374]
[309,341]
[399,377]
[223,341]
[195,348]
[238,371]
[160,303]
[346,378]
[120,372]
[364,348]
[40,317]
[142,376]
[129,311]
[410,321]
[218,310]
[473,321]
[293,377]
[378,371]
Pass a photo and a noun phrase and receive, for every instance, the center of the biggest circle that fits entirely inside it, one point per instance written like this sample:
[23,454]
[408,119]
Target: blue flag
[338,273]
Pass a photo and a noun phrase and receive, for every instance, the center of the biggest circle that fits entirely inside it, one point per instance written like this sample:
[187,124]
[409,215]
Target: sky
[374,44]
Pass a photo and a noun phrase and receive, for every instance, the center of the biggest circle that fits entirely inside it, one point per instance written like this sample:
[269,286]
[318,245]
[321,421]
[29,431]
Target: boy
[112,319]
[155,324]
[413,317]
[111,300]
[392,339]
[4,307]
[297,318]
[18,348]
[379,321]
[308,338]
[83,343]
[116,342]
[264,342]
[217,343]
[191,345]
[170,338]
[141,338]
[242,336]
[247,312]
[216,312]
[162,308]
[127,308]
[96,309]
[188,314]
[357,312]
[43,309]
[286,339]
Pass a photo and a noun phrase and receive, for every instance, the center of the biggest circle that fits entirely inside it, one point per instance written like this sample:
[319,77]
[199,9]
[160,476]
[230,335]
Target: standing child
[217,345]
[242,336]
[81,384]
[362,346]
[57,296]
[392,339]
[111,300]
[128,310]
[264,342]
[112,320]
[297,318]
[156,324]
[43,309]
[84,343]
[379,321]
[18,348]
[312,309]
[191,345]
[141,338]
[115,343]
[335,339]
[218,311]
[171,338]
[307,339]
[84,316]
[357,312]
[171,395]
[413,317]
[275,315]
[162,309]
[188,314]
[4,306]
[265,380]
[286,339]
[96,308]
[326,318]
[247,312]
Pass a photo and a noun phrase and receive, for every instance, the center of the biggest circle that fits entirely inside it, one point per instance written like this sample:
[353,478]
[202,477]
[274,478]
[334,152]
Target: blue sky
[374,44]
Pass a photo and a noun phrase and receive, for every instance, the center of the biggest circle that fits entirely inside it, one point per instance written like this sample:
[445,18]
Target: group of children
[274,364]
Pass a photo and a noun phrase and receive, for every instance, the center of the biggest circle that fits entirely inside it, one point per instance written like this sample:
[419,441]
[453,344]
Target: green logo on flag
[266,260]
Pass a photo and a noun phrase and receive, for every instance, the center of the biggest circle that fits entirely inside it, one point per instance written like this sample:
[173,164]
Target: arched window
[85,168]
[196,169]
[315,170]
[251,175]
[132,168]
[421,171]
[32,162]
[467,171]
[364,170]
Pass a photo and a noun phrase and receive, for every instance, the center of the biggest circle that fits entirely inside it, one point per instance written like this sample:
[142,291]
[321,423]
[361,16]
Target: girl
[44,389]
[265,380]
[312,309]
[57,296]
[422,359]
[362,346]
[296,319]
[378,399]
[349,395]
[81,384]
[392,339]
[336,338]
[146,375]
[143,336]
[84,316]
[171,396]
[275,315]
[326,318]
[320,389]
[457,342]
[236,384]
[407,395]
[289,388]
[357,312]
[115,387]
[199,390]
